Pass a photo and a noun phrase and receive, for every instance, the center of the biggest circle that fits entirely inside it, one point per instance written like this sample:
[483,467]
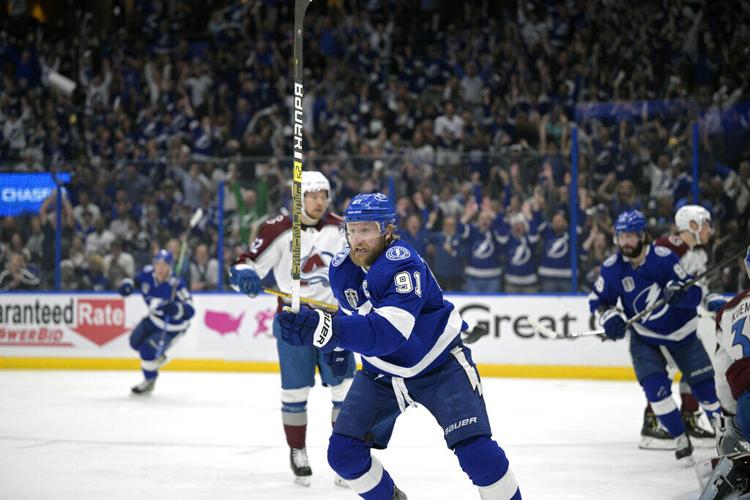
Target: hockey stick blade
[475,334]
[544,331]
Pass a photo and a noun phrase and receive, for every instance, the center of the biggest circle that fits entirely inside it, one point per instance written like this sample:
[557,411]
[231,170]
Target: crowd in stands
[467,113]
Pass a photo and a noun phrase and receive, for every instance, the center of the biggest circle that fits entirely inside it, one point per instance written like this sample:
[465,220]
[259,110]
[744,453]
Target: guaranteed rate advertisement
[234,327]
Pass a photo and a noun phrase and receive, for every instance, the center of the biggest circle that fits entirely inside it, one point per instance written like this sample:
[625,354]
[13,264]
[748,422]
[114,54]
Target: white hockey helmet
[692,213]
[314,181]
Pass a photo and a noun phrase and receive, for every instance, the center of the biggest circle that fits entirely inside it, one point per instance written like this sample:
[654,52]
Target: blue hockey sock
[485,463]
[743,414]
[149,364]
[350,458]
[658,389]
[705,391]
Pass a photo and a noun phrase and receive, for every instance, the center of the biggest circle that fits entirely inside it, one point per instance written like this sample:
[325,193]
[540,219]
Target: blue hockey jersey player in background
[637,276]
[392,311]
[169,303]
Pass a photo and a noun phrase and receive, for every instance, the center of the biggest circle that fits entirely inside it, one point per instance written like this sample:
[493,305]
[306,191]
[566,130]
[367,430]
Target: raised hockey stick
[194,220]
[300,6]
[549,333]
[304,300]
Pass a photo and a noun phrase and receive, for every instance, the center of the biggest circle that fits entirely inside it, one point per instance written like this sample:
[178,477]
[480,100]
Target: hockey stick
[304,300]
[475,334]
[549,333]
[197,216]
[300,6]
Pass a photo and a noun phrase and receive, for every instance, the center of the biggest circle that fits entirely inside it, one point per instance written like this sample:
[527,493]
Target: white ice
[80,435]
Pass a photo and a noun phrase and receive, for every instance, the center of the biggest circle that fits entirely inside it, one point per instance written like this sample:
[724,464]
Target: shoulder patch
[662,251]
[397,253]
[610,261]
[339,257]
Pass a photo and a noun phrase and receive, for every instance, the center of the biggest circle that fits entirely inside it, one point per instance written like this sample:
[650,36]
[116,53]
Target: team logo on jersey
[558,248]
[521,255]
[645,299]
[352,297]
[397,253]
[662,251]
[339,258]
[628,284]
[484,249]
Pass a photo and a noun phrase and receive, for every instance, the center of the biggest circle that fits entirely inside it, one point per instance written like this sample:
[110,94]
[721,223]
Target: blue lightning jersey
[156,293]
[394,314]
[640,287]
[485,251]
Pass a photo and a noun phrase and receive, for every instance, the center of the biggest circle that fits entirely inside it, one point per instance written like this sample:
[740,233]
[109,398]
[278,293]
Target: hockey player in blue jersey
[392,311]
[169,303]
[636,277]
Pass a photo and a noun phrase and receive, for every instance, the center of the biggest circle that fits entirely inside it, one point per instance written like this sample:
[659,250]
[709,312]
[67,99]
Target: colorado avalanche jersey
[732,358]
[394,314]
[156,293]
[272,250]
[640,287]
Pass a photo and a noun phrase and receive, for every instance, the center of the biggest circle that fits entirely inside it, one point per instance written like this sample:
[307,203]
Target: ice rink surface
[80,435]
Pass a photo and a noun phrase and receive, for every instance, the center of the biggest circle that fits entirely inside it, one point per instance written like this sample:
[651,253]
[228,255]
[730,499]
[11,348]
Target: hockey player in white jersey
[392,311]
[694,230]
[635,278]
[321,239]
[731,476]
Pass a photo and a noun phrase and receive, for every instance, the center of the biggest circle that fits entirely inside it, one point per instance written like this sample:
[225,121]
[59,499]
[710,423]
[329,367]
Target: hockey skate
[684,451]
[300,466]
[704,438]
[144,387]
[653,435]
[398,494]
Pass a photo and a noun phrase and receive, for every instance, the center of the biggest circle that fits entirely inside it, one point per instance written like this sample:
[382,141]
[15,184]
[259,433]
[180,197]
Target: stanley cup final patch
[628,284]
[352,297]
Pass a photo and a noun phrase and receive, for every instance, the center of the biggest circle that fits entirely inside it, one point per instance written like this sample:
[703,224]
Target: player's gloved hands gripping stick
[309,327]
[126,287]
[614,324]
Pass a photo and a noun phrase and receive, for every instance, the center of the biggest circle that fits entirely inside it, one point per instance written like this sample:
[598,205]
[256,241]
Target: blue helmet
[164,256]
[630,221]
[375,207]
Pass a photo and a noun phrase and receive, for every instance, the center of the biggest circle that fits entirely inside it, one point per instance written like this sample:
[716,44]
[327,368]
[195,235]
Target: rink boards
[230,332]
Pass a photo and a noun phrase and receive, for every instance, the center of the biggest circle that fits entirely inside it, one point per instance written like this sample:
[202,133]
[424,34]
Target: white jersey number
[404,283]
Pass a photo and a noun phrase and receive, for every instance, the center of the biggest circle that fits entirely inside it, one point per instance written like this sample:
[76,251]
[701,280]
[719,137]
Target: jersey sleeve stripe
[401,320]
